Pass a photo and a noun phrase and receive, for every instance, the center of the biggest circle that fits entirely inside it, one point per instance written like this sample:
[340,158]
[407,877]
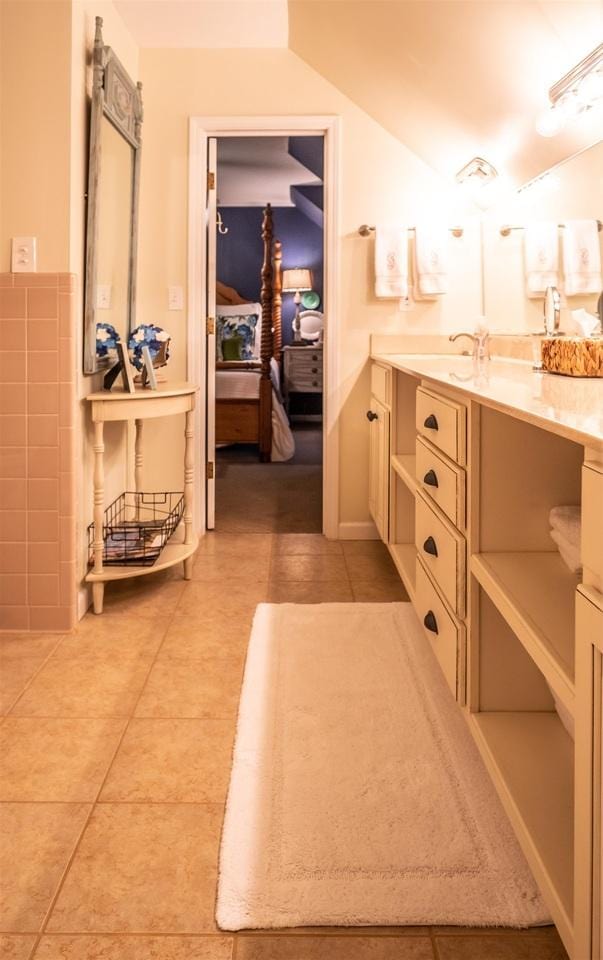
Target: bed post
[265,405]
[277,302]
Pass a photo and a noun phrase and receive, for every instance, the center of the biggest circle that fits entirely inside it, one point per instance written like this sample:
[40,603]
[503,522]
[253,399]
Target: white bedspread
[245,385]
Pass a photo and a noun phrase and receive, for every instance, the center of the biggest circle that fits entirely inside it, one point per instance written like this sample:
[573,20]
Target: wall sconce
[579,90]
[294,281]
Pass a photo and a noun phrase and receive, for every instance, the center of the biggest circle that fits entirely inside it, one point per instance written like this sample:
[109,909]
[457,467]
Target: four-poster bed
[244,388]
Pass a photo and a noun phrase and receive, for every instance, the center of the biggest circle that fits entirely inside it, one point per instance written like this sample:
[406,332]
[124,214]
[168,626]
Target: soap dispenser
[552,311]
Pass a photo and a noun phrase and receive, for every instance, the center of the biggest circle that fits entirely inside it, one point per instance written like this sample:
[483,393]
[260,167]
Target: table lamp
[294,281]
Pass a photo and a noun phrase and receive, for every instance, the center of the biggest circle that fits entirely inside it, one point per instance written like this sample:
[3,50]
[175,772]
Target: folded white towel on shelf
[430,271]
[567,521]
[570,553]
[581,257]
[391,262]
[541,251]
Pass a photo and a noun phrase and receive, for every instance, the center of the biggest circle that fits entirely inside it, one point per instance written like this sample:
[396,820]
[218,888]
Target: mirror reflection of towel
[581,257]
[541,250]
[430,270]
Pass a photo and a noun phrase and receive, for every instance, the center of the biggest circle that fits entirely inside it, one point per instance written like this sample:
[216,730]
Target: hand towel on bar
[541,250]
[569,553]
[391,262]
[567,521]
[581,257]
[430,275]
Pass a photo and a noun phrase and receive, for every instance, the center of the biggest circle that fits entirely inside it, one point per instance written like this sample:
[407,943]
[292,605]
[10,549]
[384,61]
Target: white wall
[380,180]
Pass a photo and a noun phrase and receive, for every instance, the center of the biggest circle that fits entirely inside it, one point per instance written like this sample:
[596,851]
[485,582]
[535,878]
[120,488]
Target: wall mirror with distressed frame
[112,213]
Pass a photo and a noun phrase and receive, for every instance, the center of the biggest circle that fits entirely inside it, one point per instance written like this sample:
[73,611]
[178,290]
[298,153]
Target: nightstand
[302,372]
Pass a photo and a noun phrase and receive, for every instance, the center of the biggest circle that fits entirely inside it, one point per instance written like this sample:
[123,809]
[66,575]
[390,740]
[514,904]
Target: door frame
[200,129]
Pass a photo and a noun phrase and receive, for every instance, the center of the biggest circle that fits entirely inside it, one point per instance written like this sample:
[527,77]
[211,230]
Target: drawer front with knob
[443,422]
[441,480]
[444,633]
[442,550]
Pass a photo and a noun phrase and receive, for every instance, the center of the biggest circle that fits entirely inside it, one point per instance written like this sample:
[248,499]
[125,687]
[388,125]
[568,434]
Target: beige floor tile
[379,591]
[172,760]
[16,948]
[230,570]
[37,841]
[499,947]
[142,868]
[221,636]
[107,947]
[303,567]
[112,637]
[334,948]
[192,689]
[234,544]
[305,543]
[85,688]
[15,674]
[364,548]
[379,567]
[17,646]
[152,597]
[55,760]
[205,601]
[309,591]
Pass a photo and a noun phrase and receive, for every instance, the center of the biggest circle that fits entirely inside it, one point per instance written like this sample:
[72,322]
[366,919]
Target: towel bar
[505,230]
[365,231]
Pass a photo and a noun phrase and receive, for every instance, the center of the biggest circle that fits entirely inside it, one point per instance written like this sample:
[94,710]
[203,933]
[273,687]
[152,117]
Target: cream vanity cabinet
[472,478]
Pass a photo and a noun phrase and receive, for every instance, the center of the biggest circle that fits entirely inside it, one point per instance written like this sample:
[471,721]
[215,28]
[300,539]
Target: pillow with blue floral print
[107,339]
[242,326]
[148,335]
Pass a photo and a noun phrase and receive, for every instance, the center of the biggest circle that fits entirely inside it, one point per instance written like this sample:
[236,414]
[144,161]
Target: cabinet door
[379,467]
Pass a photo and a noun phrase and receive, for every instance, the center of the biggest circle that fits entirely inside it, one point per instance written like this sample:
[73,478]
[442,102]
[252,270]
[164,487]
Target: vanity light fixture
[581,89]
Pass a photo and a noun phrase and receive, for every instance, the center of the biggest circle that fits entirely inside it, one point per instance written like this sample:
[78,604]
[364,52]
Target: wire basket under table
[137,527]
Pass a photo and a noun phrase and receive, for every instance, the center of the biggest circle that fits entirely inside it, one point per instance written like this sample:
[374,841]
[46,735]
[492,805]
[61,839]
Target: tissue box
[573,356]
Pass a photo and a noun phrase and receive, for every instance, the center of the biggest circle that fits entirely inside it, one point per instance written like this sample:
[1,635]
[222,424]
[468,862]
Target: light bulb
[550,122]
[591,88]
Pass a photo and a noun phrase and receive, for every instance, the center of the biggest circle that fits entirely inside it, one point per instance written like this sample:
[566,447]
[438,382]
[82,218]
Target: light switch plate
[103,296]
[23,255]
[175,298]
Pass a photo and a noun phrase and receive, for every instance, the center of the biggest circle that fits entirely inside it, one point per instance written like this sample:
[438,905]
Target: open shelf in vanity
[403,483]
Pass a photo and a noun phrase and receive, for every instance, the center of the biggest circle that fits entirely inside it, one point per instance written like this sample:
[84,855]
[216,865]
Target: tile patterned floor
[115,757]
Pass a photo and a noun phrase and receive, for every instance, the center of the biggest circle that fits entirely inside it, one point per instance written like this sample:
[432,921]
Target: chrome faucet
[481,349]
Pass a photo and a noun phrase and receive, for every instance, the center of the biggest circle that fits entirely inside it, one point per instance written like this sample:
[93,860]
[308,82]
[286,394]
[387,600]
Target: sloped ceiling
[254,171]
[455,78]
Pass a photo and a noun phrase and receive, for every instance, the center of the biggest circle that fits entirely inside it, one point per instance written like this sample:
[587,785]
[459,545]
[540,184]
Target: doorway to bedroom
[267,389]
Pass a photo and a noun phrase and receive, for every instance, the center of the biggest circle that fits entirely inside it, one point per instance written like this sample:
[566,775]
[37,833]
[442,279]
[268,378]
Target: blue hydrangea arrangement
[148,335]
[107,339]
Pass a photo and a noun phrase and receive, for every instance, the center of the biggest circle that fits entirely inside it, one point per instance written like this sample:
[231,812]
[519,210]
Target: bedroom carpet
[357,796]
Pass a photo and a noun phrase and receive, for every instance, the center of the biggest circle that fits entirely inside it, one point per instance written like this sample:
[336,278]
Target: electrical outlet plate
[24,255]
[175,298]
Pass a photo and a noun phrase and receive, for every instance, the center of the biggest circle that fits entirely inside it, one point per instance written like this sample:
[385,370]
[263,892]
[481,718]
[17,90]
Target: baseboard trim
[365,530]
[84,600]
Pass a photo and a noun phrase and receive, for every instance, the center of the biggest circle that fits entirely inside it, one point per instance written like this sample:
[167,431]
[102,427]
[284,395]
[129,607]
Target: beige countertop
[569,406]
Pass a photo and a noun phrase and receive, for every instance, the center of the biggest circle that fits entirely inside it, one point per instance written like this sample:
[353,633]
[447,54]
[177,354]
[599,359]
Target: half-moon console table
[168,400]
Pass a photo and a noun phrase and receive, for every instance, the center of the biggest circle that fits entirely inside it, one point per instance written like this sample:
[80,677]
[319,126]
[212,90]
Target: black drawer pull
[430,422]
[370,415]
[430,622]
[314,369]
[315,383]
[314,357]
[430,547]
[431,479]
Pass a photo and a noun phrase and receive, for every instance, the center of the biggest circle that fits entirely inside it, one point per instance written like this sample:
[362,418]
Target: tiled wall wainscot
[37,494]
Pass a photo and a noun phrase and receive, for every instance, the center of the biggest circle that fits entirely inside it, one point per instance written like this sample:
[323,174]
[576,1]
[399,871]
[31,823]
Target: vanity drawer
[441,480]
[381,379]
[445,633]
[443,422]
[442,550]
[592,518]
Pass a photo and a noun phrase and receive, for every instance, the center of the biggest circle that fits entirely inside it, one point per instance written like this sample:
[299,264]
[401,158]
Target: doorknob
[430,621]
[430,422]
[430,547]
[431,479]
[371,415]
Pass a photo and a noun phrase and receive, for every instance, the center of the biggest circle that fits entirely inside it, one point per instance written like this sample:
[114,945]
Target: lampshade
[297,279]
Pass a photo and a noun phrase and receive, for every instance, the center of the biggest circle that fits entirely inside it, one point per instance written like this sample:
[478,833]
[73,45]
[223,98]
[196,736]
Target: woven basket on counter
[573,356]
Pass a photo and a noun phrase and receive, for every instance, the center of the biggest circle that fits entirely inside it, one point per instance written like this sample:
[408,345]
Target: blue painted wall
[240,252]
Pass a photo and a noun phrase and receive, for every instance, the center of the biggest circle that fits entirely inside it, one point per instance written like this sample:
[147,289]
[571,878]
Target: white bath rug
[357,795]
